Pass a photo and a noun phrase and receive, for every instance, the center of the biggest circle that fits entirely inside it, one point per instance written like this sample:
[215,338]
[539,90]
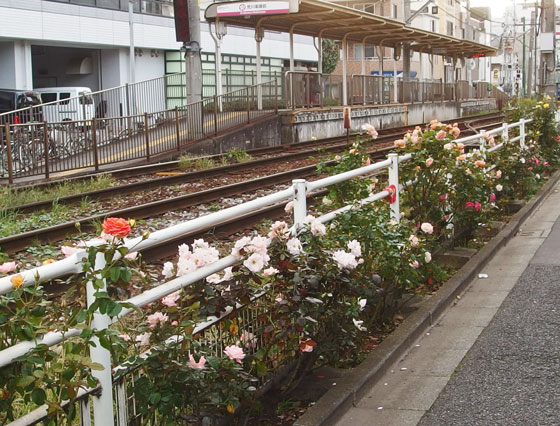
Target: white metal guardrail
[103,399]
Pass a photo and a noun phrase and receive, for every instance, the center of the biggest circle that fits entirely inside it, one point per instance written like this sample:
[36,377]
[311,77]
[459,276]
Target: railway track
[291,153]
[58,232]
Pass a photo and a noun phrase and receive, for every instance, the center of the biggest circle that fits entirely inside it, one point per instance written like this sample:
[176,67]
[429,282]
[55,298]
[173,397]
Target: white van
[73,104]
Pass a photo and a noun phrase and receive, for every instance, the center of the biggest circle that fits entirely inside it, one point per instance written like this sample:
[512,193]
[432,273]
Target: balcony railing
[150,7]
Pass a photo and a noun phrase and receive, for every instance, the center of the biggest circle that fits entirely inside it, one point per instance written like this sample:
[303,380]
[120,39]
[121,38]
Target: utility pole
[532,50]
[192,55]
[524,81]
[547,48]
[406,46]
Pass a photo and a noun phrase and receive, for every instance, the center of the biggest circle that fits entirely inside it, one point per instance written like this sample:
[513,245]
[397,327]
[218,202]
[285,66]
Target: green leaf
[126,275]
[68,374]
[214,362]
[96,366]
[115,273]
[25,381]
[114,309]
[38,396]
[154,398]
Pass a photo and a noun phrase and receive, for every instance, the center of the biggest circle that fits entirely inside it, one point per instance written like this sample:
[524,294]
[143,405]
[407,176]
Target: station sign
[269,7]
[439,50]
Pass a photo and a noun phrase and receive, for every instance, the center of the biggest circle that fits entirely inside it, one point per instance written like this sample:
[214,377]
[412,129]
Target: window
[451,2]
[6,101]
[395,11]
[449,28]
[357,52]
[433,26]
[463,33]
[48,97]
[64,96]
[474,34]
[370,8]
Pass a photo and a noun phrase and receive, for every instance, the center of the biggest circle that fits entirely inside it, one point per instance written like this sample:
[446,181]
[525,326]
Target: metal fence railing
[311,89]
[371,89]
[120,409]
[149,96]
[41,148]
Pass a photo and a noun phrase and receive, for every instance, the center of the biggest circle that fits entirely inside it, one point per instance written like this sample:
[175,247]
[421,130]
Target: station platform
[492,357]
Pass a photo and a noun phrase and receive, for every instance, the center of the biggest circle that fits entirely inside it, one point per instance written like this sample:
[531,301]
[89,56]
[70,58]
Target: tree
[330,55]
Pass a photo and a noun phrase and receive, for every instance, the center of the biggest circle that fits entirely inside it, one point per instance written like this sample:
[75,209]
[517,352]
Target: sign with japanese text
[253,8]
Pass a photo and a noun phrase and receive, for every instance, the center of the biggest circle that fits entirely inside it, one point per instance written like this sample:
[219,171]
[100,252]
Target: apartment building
[448,17]
[87,43]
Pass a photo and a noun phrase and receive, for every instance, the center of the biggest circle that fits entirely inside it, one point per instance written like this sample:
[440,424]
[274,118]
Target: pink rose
[7,267]
[480,163]
[493,197]
[441,135]
[68,250]
[156,318]
[235,353]
[477,206]
[427,228]
[197,365]
[469,205]
[400,143]
[307,345]
[429,162]
[171,299]
[415,264]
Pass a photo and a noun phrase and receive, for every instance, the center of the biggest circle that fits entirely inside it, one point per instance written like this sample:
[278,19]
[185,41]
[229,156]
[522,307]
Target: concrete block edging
[356,382]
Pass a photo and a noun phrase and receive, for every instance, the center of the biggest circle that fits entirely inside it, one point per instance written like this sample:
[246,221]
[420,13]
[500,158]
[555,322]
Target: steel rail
[19,242]
[191,176]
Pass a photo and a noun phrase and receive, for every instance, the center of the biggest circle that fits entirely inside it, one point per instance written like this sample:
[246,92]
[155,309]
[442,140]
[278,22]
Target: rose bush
[293,299]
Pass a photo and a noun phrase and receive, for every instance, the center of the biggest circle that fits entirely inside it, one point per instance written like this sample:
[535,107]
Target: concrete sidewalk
[493,358]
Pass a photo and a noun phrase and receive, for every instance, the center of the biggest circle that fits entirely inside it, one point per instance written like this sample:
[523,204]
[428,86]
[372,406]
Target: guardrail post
[483,145]
[147,136]
[215,115]
[248,107]
[9,152]
[94,141]
[394,180]
[275,95]
[300,202]
[85,412]
[46,147]
[177,131]
[102,404]
[522,133]
[505,133]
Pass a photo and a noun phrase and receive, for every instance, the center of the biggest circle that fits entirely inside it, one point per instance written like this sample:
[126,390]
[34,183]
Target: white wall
[68,23]
[15,65]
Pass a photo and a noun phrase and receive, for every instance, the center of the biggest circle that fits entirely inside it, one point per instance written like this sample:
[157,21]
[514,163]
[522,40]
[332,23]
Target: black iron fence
[42,148]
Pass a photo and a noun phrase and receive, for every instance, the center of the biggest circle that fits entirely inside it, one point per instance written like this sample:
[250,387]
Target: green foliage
[330,55]
[189,163]
[237,156]
[448,186]
[312,295]
[14,197]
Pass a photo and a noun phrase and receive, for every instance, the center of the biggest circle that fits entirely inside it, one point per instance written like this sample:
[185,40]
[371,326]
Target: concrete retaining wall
[299,126]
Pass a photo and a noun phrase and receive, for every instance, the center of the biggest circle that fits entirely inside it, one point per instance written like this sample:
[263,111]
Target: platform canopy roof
[318,18]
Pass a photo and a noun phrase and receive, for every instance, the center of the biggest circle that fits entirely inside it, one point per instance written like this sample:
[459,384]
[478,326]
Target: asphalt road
[511,376]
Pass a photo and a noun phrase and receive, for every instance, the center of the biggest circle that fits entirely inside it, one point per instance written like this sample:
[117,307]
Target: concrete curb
[356,382]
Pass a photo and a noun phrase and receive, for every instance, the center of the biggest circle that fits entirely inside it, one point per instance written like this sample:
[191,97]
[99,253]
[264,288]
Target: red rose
[116,226]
